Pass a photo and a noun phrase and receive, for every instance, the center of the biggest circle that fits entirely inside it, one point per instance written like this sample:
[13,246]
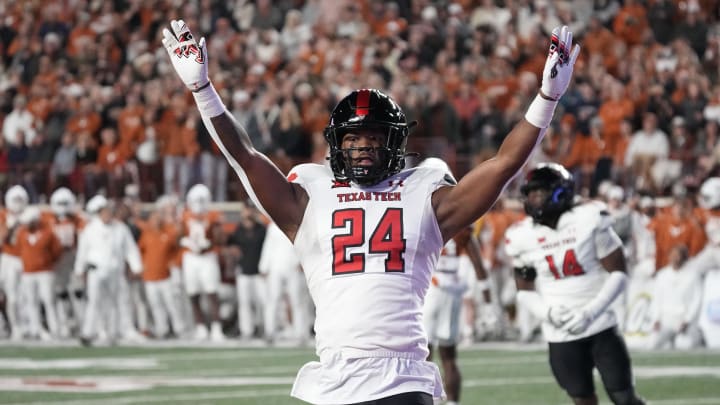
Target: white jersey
[567,261]
[368,254]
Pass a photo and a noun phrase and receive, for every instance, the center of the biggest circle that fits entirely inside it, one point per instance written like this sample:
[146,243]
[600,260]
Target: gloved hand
[579,321]
[559,64]
[558,315]
[188,57]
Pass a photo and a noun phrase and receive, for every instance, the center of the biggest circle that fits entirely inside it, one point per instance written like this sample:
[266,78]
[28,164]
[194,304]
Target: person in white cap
[39,250]
[104,248]
[16,199]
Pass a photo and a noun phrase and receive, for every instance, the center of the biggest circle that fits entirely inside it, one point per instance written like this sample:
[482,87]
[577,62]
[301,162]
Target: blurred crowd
[89,102]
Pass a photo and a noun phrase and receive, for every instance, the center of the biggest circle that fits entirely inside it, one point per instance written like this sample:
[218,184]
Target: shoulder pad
[436,175]
[595,214]
[308,172]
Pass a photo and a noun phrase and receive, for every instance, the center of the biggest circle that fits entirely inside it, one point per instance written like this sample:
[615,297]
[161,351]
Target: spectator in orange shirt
[630,22]
[39,250]
[178,145]
[111,163]
[582,154]
[676,227]
[612,111]
[81,36]
[597,39]
[158,246]
[85,119]
[129,123]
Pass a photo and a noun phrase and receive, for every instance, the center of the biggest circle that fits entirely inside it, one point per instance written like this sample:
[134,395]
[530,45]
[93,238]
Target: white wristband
[208,102]
[541,112]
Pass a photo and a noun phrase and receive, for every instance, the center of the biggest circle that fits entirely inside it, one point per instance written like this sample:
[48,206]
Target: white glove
[579,321]
[188,57]
[559,64]
[558,315]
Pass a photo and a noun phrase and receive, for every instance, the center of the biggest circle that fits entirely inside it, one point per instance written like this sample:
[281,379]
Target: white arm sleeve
[613,286]
[708,259]
[606,240]
[233,163]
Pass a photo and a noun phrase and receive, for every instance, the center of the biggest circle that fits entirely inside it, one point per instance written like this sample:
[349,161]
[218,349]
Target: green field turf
[231,374]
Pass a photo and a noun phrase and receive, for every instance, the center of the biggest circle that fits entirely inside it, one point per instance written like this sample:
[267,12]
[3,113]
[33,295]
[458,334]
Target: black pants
[572,363]
[406,398]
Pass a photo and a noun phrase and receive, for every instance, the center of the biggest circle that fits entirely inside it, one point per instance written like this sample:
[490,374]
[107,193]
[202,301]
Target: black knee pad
[625,397]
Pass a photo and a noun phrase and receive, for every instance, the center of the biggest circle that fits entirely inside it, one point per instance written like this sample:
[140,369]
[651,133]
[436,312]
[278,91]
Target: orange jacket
[9,247]
[158,248]
[38,250]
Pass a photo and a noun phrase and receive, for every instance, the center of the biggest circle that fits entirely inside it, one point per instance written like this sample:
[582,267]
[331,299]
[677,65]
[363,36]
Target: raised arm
[456,207]
[283,201]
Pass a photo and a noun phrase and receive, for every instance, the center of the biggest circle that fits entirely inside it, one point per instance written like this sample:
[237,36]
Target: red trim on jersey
[336,183]
[362,107]
[292,177]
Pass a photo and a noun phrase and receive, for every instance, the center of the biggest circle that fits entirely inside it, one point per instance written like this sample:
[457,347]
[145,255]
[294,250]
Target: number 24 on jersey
[387,238]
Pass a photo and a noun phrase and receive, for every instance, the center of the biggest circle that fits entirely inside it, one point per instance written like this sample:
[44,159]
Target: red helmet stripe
[362,106]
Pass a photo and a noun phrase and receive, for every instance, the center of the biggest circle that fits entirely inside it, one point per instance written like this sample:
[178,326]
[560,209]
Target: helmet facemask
[361,111]
[389,157]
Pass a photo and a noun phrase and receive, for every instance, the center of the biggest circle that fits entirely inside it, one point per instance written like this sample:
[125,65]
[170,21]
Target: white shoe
[216,333]
[133,336]
[201,332]
[45,336]
[16,335]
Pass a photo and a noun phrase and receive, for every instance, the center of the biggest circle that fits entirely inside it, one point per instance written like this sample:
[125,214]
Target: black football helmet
[367,109]
[561,187]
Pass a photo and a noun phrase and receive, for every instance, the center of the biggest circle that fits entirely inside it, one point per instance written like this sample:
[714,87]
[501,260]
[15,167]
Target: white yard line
[287,380]
[531,359]
[492,382]
[686,401]
[202,396]
[75,363]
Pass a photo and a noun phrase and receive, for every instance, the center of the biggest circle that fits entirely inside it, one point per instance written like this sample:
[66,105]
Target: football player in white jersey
[368,233]
[569,268]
